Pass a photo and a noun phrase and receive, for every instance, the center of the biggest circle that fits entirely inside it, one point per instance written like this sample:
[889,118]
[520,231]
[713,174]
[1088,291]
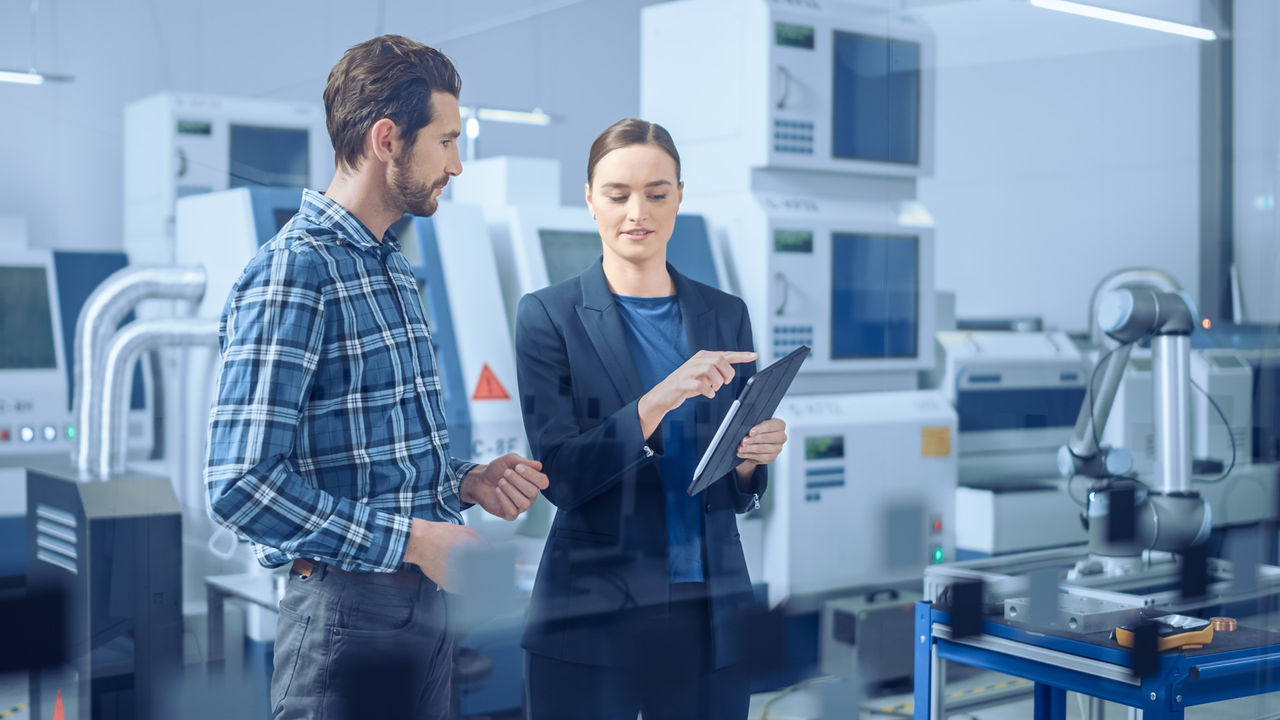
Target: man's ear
[384,140]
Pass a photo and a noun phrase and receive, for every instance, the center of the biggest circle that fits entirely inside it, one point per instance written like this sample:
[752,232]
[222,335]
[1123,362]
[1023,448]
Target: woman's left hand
[762,445]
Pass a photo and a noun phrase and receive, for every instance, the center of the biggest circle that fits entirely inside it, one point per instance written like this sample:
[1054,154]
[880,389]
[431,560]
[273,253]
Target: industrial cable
[1084,505]
[1226,424]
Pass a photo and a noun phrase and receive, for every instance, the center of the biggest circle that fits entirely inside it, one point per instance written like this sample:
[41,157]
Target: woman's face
[634,196]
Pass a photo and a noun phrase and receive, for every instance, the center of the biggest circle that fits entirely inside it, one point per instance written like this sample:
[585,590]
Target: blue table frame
[1057,664]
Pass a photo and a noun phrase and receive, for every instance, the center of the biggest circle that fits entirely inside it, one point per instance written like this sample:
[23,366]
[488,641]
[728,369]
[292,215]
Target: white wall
[576,59]
[1067,148]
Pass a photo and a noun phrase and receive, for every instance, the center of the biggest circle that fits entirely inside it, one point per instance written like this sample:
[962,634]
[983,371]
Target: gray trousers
[361,645]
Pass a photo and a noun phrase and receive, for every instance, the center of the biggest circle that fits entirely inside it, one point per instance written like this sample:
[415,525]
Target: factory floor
[805,703]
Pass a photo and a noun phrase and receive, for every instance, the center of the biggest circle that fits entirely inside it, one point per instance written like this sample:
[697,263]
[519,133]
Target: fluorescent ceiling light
[24,78]
[1142,21]
[534,117]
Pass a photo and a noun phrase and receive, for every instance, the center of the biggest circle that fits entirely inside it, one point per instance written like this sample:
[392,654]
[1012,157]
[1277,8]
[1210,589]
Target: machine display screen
[26,320]
[792,241]
[269,156]
[874,296]
[825,447]
[796,36]
[195,127]
[875,100]
[568,252]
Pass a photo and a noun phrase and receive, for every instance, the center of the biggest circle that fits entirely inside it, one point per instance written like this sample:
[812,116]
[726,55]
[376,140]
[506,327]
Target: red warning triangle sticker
[488,387]
[58,713]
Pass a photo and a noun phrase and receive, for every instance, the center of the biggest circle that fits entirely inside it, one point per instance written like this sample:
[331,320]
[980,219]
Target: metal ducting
[102,313]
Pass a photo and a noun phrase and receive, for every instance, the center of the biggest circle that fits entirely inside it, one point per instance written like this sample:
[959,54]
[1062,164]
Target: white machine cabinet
[863,493]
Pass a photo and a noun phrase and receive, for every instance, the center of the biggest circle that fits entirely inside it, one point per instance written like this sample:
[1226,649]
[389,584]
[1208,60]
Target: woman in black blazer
[625,371]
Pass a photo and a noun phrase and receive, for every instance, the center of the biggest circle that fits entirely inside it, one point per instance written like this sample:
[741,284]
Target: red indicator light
[937,526]
[4,433]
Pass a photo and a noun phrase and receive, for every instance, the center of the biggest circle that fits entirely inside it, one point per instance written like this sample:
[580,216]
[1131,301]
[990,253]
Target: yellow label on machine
[935,441]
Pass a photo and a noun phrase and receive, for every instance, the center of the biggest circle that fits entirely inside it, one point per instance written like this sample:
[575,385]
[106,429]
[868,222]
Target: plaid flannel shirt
[327,433]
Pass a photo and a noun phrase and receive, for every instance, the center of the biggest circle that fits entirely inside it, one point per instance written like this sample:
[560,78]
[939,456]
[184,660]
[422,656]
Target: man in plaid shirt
[327,442]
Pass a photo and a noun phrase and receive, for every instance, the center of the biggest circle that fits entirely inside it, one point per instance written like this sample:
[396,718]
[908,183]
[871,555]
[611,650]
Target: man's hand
[505,487]
[761,446]
[436,546]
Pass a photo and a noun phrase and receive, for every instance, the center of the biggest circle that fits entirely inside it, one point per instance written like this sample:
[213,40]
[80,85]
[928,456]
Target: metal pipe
[125,349]
[1172,373]
[109,303]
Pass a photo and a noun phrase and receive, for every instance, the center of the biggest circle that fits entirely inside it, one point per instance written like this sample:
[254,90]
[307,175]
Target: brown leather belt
[406,576]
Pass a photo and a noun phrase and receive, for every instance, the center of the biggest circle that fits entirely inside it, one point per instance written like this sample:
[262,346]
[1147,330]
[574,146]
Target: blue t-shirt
[655,332]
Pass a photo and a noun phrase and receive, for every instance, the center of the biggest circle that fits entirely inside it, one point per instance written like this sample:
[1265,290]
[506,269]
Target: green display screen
[793,241]
[195,127]
[824,447]
[797,36]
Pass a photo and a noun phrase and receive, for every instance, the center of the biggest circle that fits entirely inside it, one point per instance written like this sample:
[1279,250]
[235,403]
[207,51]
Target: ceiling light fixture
[31,76]
[1142,21]
[518,117]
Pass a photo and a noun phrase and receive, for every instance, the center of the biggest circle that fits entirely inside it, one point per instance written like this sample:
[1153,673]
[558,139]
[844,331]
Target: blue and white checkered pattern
[328,433]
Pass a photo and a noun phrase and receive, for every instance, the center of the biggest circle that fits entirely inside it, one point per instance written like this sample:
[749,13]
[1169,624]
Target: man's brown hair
[390,77]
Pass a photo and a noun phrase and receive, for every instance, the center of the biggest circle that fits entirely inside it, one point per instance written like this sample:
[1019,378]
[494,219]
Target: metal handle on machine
[786,86]
[784,288]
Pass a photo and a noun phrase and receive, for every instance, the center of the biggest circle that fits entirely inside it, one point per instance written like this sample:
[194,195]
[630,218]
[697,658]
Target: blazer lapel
[600,319]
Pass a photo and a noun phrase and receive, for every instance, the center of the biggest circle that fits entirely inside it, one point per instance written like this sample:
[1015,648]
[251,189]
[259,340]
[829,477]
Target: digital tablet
[757,403]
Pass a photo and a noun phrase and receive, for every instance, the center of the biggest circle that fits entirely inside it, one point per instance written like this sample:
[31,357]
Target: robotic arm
[1174,517]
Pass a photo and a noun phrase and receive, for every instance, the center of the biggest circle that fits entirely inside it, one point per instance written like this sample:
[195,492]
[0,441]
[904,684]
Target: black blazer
[603,578]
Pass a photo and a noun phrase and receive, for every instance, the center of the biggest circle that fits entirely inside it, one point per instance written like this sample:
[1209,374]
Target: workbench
[1237,664]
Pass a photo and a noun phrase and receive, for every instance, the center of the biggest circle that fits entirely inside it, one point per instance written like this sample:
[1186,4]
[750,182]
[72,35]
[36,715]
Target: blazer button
[708,507]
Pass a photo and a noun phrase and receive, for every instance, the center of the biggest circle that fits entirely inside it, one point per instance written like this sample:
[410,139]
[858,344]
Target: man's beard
[410,195]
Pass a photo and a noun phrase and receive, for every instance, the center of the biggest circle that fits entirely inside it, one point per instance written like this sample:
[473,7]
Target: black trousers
[671,678]
[362,645]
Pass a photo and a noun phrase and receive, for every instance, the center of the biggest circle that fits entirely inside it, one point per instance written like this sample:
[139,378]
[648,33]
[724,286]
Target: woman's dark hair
[625,133]
[387,77]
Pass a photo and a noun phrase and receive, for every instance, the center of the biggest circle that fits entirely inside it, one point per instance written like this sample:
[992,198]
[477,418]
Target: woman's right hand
[703,374]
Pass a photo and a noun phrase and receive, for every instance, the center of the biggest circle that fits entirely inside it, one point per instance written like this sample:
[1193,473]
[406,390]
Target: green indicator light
[71,432]
[937,555]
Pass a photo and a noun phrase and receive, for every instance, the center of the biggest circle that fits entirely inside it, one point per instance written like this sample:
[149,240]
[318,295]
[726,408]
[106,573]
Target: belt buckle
[304,568]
